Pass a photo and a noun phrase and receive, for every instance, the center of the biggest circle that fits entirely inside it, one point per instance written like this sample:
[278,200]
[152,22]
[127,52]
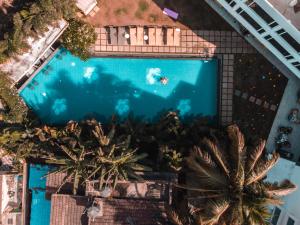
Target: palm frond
[214,210]
[254,156]
[261,169]
[284,188]
[203,157]
[217,155]
[236,150]
[211,174]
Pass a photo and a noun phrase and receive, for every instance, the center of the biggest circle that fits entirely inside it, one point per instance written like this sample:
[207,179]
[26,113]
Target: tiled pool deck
[193,43]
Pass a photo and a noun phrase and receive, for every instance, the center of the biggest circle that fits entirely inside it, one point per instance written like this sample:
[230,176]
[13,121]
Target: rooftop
[71,210]
[283,6]
[20,65]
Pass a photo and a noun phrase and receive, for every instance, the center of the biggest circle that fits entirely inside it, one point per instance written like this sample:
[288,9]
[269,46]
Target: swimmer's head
[164,80]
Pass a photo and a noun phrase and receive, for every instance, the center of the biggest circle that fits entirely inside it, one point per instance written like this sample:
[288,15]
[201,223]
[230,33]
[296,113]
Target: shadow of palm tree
[105,94]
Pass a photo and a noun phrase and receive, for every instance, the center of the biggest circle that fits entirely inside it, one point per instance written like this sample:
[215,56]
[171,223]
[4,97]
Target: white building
[289,213]
[273,28]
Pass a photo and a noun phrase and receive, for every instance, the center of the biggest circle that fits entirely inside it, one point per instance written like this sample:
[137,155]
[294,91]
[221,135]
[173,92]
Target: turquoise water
[40,206]
[68,88]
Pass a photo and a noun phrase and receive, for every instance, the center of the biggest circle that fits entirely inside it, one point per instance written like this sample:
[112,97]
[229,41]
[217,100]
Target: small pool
[70,89]
[40,206]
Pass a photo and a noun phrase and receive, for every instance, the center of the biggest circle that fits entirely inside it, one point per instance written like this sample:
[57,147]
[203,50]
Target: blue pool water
[40,206]
[74,89]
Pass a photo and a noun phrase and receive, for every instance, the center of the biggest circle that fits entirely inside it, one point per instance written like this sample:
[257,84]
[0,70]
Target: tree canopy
[225,183]
[32,20]
[78,37]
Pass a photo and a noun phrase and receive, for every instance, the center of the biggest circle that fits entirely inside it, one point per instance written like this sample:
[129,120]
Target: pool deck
[193,43]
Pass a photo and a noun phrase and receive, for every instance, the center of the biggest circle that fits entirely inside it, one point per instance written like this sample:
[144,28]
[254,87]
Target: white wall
[286,169]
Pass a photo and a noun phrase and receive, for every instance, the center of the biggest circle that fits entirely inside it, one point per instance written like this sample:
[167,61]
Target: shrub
[17,109]
[120,11]
[78,37]
[143,5]
[32,20]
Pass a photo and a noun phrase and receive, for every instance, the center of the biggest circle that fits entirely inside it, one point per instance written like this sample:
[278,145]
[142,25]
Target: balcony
[261,19]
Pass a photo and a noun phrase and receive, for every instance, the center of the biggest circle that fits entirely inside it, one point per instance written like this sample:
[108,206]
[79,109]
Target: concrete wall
[286,169]
[288,102]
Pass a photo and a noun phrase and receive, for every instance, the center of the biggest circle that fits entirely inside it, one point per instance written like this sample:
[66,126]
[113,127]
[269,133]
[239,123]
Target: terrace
[245,76]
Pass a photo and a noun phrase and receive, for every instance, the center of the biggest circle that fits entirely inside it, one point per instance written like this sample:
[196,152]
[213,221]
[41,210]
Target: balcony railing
[268,25]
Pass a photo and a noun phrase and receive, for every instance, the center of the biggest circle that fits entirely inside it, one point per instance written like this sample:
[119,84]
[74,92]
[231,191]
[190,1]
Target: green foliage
[225,185]
[120,11]
[32,20]
[172,159]
[143,5]
[78,37]
[17,110]
[82,151]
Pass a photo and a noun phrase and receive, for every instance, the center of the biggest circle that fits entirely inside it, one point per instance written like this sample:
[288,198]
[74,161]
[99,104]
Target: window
[290,221]
[10,221]
[275,216]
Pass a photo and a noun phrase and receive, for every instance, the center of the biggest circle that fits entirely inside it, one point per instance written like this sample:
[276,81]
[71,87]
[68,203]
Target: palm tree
[114,159]
[4,4]
[225,183]
[75,166]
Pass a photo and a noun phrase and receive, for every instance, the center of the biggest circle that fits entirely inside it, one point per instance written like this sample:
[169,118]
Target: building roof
[86,6]
[285,169]
[54,181]
[71,210]
[289,12]
[19,66]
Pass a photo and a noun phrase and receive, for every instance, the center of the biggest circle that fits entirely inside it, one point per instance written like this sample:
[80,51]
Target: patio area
[193,14]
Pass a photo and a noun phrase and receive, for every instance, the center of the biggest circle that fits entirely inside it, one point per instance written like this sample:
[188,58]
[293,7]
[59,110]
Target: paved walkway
[193,43]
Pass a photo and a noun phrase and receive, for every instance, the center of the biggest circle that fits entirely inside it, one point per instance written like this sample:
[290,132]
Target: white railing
[266,24]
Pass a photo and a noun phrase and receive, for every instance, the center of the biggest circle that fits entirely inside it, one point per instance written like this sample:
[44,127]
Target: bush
[78,37]
[32,20]
[17,110]
[143,5]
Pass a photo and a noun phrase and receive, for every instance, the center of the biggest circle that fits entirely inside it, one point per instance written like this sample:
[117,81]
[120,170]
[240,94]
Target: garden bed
[256,77]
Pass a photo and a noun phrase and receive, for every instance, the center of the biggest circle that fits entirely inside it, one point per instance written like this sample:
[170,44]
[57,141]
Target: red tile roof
[71,210]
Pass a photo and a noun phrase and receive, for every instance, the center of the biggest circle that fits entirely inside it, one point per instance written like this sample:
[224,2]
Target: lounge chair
[113,35]
[170,36]
[121,36]
[159,36]
[177,37]
[151,34]
[132,33]
[139,36]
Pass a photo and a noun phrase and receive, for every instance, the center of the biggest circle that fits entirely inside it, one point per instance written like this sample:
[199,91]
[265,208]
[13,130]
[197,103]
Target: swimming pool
[70,89]
[40,206]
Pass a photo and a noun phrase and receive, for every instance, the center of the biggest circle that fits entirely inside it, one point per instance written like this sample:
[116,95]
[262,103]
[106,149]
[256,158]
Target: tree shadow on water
[101,95]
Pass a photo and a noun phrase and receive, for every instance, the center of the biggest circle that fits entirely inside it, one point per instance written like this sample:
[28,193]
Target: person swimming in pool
[164,80]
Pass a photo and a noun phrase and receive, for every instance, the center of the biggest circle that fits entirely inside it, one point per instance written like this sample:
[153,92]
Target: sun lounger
[121,36]
[132,33]
[170,36]
[151,34]
[177,37]
[140,36]
[159,36]
[113,36]
[171,13]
